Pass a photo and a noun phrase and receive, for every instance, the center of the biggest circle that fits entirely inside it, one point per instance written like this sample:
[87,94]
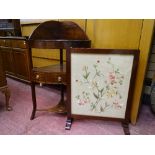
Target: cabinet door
[115,33]
[21,63]
[2,73]
[7,60]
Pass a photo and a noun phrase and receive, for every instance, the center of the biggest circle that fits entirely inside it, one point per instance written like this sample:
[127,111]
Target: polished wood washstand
[54,35]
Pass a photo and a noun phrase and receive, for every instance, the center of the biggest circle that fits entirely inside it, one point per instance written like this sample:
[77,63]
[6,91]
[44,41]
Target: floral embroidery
[103,88]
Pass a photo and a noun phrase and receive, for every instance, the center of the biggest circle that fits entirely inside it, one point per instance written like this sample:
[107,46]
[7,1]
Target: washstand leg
[33,100]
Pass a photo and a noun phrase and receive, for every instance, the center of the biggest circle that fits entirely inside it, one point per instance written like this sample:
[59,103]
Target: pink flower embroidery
[112,78]
[117,105]
[82,102]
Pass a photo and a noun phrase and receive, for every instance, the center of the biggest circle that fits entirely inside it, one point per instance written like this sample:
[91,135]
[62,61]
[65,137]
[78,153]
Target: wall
[113,34]
[144,47]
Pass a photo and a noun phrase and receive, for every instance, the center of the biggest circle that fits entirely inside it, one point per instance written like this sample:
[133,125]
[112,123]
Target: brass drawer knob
[37,76]
[24,42]
[59,78]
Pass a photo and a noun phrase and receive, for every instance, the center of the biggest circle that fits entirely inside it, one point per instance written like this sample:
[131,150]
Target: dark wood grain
[56,30]
[54,35]
[3,84]
[16,55]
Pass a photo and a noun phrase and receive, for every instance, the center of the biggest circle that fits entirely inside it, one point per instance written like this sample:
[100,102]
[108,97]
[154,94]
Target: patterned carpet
[17,122]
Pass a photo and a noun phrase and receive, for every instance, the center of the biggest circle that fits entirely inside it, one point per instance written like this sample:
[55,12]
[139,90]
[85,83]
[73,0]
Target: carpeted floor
[17,122]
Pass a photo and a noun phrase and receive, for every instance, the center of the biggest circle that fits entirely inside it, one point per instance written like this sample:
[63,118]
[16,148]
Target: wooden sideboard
[10,27]
[3,81]
[3,85]
[16,60]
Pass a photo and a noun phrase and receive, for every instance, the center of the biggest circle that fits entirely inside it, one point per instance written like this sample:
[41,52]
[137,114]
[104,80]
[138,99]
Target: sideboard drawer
[7,42]
[19,44]
[2,42]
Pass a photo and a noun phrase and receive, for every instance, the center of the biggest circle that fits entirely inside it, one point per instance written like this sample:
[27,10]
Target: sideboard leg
[125,126]
[68,123]
[5,90]
[7,97]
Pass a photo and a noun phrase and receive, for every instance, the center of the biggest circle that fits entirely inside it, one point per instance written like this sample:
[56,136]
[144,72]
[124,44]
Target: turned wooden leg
[33,101]
[7,97]
[7,93]
[125,126]
[68,123]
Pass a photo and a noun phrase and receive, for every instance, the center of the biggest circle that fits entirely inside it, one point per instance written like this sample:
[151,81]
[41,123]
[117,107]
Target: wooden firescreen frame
[100,84]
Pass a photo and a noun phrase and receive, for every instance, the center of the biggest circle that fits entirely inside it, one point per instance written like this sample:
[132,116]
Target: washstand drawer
[56,78]
[48,78]
[38,77]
